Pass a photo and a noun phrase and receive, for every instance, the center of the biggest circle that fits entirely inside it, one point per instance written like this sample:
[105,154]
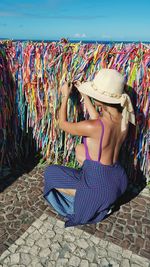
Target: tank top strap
[101,140]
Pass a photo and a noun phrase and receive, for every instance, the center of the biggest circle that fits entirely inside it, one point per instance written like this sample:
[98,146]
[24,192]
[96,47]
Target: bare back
[112,141]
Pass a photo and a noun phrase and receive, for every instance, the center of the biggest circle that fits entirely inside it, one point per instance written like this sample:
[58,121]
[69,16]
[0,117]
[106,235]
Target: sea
[78,41]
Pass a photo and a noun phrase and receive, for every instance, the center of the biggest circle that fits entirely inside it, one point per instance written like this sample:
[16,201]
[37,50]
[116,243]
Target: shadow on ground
[25,161]
[132,192]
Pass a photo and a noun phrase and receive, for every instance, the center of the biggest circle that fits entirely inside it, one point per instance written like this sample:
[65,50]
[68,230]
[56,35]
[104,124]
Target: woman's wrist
[62,96]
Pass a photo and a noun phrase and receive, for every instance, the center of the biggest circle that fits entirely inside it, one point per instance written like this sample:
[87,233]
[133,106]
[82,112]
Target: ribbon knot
[123,100]
[127,113]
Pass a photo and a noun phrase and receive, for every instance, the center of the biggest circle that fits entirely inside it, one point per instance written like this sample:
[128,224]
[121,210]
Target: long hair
[117,106]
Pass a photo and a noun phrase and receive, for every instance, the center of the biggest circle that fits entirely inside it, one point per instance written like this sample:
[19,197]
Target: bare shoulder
[82,128]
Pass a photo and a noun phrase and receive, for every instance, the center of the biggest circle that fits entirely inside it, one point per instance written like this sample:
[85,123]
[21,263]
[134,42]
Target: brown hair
[117,106]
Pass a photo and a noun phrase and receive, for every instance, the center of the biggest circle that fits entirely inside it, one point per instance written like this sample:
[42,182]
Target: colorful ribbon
[31,74]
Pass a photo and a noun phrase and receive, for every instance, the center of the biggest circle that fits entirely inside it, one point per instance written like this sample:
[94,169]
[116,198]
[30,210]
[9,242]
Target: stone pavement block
[91,254]
[103,243]
[95,240]
[39,265]
[60,224]
[7,261]
[13,248]
[127,254]
[84,263]
[35,250]
[4,255]
[101,252]
[135,265]
[64,253]
[81,253]
[90,243]
[144,253]
[85,235]
[104,262]
[140,261]
[20,241]
[35,235]
[24,249]
[15,258]
[58,238]
[25,259]
[69,237]
[50,221]
[31,229]
[43,217]
[54,256]
[29,242]
[74,261]
[78,232]
[25,235]
[115,248]
[114,255]
[44,252]
[113,262]
[72,247]
[60,231]
[37,224]
[61,262]
[125,263]
[43,242]
[34,261]
[55,247]
[51,264]
[82,243]
[94,265]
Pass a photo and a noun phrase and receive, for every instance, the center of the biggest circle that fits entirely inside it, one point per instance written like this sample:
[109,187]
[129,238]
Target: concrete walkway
[32,234]
[47,243]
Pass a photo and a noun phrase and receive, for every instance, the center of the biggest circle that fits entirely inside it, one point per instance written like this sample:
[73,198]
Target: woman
[86,195]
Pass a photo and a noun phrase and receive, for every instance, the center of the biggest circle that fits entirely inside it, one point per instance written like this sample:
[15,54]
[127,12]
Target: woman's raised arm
[83,128]
[90,108]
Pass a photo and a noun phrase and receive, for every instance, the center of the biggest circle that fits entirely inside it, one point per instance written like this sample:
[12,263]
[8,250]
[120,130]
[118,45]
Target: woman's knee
[49,170]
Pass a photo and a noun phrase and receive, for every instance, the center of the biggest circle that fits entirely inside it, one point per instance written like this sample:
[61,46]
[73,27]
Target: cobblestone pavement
[22,203]
[48,243]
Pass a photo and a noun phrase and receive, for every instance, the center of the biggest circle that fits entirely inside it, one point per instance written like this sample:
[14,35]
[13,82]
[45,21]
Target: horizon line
[73,40]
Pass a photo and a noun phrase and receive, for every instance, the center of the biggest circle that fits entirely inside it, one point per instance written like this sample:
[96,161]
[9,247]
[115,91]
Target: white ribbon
[128,112]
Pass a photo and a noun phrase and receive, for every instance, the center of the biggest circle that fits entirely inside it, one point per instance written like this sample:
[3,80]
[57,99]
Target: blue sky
[127,20]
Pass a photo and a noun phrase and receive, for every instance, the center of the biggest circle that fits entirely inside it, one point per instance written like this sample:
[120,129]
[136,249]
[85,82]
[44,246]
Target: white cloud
[80,35]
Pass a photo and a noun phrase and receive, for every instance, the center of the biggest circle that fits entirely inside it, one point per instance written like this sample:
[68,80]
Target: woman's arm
[83,128]
[90,108]
[63,110]
[88,104]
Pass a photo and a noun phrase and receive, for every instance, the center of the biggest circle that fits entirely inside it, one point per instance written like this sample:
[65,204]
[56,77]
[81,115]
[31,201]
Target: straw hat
[108,86]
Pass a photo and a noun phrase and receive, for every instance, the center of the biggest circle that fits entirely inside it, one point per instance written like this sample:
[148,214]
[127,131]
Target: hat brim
[87,89]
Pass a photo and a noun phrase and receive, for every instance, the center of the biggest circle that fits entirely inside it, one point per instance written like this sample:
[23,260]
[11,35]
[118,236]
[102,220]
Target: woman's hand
[77,84]
[65,90]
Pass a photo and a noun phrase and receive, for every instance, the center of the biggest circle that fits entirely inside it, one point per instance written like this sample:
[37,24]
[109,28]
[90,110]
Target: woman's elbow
[61,125]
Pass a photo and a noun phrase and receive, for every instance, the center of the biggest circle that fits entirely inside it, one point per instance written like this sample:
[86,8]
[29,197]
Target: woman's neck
[112,114]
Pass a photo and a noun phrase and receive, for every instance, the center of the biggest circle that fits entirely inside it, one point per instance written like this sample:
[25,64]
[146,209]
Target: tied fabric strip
[128,112]
[31,74]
